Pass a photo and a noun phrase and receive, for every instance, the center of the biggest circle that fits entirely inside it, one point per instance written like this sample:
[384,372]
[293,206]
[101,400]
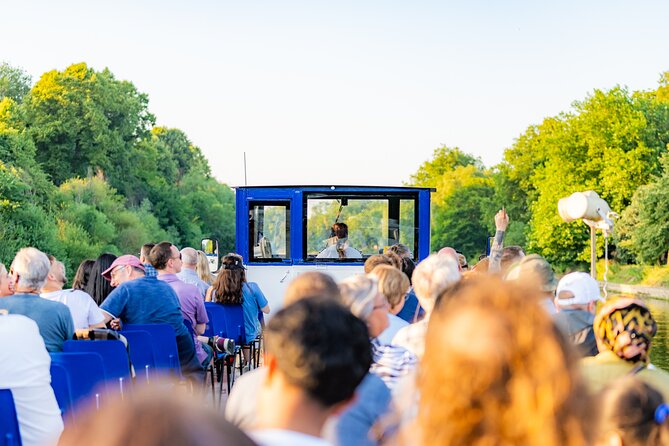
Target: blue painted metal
[296,196]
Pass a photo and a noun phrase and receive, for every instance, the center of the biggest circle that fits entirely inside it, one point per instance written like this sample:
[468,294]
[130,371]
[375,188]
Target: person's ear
[270,366]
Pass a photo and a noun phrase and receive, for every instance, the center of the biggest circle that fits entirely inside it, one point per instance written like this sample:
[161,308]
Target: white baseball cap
[584,288]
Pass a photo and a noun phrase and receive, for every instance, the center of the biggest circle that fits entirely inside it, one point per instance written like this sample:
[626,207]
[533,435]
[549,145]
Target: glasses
[115,271]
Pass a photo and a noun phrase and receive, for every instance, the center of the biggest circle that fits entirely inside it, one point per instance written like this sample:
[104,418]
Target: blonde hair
[393,283]
[496,371]
[202,268]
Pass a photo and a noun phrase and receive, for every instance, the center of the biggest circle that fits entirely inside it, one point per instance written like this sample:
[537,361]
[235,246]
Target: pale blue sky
[347,92]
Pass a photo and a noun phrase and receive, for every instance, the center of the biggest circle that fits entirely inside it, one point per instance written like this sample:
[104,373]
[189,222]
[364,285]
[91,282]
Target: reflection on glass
[370,230]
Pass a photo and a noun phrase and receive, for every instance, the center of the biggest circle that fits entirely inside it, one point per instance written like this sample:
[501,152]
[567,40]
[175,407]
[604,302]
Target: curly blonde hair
[496,371]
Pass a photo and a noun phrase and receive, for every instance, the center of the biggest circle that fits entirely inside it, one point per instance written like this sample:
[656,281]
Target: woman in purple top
[231,288]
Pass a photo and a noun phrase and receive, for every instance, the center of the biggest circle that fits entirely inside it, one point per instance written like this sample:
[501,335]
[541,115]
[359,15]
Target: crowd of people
[433,353]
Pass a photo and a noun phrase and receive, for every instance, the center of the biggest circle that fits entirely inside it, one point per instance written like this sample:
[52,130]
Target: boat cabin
[283,231]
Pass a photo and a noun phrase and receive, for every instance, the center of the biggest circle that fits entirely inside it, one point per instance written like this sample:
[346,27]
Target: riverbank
[637,290]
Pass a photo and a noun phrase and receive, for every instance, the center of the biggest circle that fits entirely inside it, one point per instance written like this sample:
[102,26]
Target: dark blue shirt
[146,300]
[53,319]
[408,311]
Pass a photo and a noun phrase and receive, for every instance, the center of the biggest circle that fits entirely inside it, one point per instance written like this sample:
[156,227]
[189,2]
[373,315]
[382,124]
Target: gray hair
[358,293]
[433,276]
[189,256]
[32,267]
[3,268]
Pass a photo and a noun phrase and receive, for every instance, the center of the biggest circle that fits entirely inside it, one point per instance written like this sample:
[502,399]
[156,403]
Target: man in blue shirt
[29,271]
[138,299]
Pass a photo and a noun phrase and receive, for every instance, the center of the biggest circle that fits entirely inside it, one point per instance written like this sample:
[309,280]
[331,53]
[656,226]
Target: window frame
[252,204]
[385,196]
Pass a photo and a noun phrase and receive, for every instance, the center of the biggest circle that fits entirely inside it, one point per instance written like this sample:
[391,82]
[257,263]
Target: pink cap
[127,259]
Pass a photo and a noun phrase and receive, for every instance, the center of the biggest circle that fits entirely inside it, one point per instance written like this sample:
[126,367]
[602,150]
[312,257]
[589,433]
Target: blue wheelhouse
[282,231]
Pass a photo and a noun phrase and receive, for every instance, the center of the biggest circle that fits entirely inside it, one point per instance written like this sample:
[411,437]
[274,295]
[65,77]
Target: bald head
[189,257]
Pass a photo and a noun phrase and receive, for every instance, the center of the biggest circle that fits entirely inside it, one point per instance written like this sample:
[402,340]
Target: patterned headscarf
[626,327]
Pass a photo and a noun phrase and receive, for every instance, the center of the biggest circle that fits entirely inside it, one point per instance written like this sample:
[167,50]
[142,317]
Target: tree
[444,159]
[610,143]
[644,226]
[83,121]
[14,82]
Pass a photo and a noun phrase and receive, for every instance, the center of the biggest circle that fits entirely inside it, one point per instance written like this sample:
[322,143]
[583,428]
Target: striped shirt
[391,362]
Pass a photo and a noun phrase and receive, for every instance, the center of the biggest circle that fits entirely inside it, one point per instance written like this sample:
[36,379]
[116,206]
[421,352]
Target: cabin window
[269,230]
[374,224]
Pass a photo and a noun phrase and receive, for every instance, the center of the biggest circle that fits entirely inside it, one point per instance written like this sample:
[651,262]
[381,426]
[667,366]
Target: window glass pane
[369,228]
[408,225]
[269,229]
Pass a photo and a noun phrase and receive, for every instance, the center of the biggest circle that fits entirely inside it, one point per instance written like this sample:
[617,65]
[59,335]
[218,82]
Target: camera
[223,345]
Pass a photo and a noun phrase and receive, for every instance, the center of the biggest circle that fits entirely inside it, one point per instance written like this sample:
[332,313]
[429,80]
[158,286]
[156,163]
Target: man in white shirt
[317,352]
[340,249]
[85,312]
[24,369]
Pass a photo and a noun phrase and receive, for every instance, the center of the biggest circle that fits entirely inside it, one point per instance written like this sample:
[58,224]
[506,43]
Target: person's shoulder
[18,322]
[281,437]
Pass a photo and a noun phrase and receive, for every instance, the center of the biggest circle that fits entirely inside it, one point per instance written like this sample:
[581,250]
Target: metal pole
[593,253]
[245,183]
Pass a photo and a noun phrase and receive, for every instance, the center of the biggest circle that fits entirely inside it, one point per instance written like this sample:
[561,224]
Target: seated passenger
[624,330]
[54,320]
[231,288]
[24,369]
[341,249]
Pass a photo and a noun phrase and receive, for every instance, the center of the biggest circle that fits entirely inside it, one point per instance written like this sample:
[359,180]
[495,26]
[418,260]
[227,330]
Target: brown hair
[497,371]
[627,406]
[377,259]
[153,415]
[510,255]
[229,281]
[312,284]
[393,284]
[340,230]
[82,275]
[160,255]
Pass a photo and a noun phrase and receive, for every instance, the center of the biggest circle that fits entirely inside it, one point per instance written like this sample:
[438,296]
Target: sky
[347,92]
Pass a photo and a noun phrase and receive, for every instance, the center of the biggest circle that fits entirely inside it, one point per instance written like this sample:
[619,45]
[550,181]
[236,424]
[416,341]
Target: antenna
[245,183]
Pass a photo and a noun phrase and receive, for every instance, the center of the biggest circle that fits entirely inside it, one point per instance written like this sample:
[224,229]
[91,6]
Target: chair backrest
[164,343]
[230,316]
[62,388]
[114,359]
[216,325]
[9,423]
[140,348]
[86,374]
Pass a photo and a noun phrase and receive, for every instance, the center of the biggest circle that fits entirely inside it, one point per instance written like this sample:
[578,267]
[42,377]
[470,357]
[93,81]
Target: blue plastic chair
[140,349]
[164,343]
[86,374]
[114,359]
[9,423]
[62,389]
[216,325]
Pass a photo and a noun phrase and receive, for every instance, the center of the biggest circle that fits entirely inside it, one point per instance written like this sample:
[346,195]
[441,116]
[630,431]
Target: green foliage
[14,82]
[83,121]
[644,226]
[444,159]
[120,182]
[610,143]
